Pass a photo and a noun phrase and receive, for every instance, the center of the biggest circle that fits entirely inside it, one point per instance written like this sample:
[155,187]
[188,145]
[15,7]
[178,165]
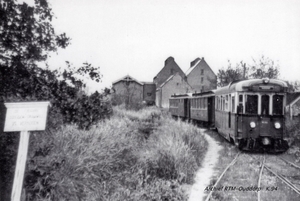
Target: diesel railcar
[249,113]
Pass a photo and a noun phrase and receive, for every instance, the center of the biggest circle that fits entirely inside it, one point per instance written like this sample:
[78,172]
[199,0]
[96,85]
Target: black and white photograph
[149,100]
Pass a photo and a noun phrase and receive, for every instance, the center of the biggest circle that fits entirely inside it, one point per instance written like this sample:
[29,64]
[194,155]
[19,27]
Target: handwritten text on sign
[29,116]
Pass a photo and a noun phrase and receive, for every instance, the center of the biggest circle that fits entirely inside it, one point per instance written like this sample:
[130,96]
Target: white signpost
[24,117]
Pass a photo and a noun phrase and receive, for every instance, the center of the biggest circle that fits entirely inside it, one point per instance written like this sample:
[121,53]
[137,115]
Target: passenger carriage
[250,113]
[179,105]
[202,108]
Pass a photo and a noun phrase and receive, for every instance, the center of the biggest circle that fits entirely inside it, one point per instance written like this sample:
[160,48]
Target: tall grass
[293,131]
[142,155]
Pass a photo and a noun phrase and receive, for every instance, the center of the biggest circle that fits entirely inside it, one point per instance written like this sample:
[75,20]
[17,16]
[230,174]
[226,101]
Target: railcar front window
[251,104]
[265,102]
[277,104]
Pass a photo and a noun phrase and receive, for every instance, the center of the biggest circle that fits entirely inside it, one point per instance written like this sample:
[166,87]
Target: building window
[201,80]
[149,94]
[202,71]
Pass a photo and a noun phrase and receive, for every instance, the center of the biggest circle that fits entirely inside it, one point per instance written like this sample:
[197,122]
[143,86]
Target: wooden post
[24,117]
[20,166]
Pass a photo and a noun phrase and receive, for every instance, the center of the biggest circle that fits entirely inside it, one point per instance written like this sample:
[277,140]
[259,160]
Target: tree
[225,76]
[26,33]
[264,67]
[26,38]
[293,86]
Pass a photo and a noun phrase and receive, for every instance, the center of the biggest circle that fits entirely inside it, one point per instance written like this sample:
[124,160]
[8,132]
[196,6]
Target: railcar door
[210,110]
[239,120]
[186,108]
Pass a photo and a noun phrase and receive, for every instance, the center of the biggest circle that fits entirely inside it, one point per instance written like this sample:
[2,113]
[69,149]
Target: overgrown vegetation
[142,155]
[26,39]
[293,130]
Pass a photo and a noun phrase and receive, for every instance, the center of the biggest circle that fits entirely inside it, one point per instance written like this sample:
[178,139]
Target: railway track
[283,178]
[260,175]
[220,177]
[265,171]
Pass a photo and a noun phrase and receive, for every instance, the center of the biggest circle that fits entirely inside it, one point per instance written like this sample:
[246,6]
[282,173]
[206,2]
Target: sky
[135,37]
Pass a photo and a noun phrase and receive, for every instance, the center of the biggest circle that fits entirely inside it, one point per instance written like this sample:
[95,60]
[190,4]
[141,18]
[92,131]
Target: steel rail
[220,177]
[260,175]
[290,163]
[285,180]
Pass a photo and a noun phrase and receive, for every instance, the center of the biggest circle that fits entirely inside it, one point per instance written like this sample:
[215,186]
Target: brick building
[130,90]
[170,68]
[175,84]
[200,76]
[169,80]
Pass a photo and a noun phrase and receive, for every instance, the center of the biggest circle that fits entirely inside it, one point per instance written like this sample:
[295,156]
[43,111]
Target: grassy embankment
[142,155]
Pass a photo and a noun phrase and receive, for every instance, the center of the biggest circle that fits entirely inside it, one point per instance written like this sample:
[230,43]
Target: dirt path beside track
[204,174]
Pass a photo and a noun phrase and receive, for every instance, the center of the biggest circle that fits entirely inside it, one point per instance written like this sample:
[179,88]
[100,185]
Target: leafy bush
[293,130]
[175,151]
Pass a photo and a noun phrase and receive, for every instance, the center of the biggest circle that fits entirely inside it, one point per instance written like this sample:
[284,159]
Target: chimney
[195,61]
[168,60]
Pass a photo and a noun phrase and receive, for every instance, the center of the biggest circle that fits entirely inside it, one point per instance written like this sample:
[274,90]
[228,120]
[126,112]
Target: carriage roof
[244,85]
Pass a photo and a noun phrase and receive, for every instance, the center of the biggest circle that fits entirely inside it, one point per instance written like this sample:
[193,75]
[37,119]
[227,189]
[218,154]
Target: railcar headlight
[252,124]
[277,125]
[266,141]
[266,80]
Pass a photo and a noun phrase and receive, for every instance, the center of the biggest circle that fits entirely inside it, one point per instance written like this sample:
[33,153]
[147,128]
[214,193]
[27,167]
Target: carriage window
[223,103]
[205,103]
[240,98]
[277,104]
[251,104]
[265,102]
[226,102]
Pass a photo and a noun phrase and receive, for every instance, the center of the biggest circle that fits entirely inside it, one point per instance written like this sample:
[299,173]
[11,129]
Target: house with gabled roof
[170,68]
[293,104]
[129,90]
[175,84]
[200,76]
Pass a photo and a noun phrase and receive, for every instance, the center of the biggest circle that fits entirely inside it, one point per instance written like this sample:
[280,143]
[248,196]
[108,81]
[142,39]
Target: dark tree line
[261,68]
[27,37]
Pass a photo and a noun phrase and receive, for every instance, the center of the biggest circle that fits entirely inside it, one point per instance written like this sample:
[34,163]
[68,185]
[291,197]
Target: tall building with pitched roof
[175,84]
[170,68]
[200,76]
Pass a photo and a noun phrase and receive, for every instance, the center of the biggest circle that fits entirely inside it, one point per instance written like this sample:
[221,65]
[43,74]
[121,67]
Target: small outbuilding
[129,90]
[293,104]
